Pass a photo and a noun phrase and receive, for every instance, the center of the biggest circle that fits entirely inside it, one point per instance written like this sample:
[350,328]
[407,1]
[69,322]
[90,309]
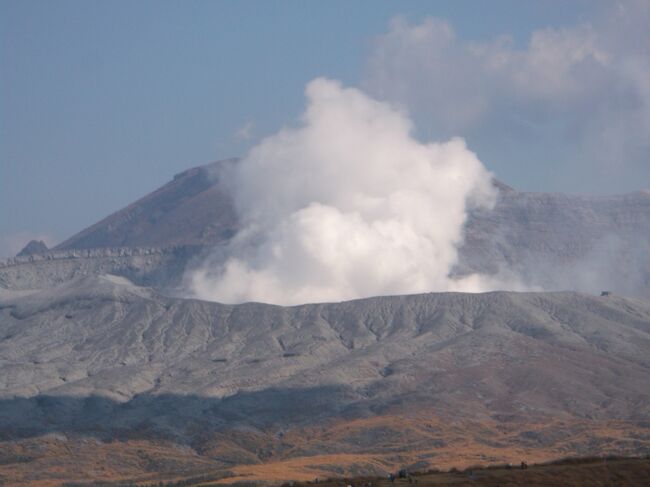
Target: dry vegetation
[592,472]
[374,446]
[572,472]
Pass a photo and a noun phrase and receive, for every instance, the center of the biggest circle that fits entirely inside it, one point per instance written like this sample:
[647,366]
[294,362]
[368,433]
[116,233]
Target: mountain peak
[194,208]
[33,247]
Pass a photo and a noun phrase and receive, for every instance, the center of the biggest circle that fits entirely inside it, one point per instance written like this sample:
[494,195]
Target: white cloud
[245,132]
[347,205]
[591,80]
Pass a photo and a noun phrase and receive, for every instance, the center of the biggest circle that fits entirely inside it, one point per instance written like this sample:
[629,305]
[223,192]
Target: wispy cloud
[245,132]
[585,87]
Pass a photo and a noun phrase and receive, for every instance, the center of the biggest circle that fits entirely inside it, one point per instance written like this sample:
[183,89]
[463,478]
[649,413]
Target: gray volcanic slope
[558,241]
[512,353]
[192,209]
[547,241]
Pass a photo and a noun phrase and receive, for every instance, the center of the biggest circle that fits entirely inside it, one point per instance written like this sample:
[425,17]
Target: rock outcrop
[162,268]
[33,247]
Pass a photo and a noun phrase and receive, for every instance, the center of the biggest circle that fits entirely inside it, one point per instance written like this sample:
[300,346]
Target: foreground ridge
[576,472]
[99,368]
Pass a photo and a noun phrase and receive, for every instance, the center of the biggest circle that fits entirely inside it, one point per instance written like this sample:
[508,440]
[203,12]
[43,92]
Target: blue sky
[103,101]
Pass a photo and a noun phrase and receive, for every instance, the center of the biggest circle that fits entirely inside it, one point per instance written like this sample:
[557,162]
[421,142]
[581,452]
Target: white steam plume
[347,205]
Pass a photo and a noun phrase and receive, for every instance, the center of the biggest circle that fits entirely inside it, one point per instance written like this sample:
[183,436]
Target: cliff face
[159,267]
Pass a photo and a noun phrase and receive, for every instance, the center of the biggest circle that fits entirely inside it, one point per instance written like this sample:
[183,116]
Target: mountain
[192,209]
[104,376]
[66,339]
[557,241]
[33,247]
[366,385]
[541,240]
